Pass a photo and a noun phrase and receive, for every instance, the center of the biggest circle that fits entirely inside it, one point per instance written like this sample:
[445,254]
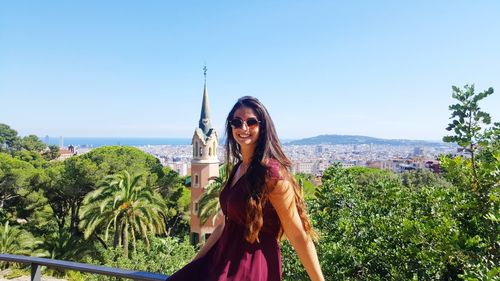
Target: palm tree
[209,205]
[14,240]
[124,204]
[61,245]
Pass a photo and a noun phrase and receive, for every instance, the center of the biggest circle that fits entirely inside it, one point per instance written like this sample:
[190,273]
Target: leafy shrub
[391,227]
[165,256]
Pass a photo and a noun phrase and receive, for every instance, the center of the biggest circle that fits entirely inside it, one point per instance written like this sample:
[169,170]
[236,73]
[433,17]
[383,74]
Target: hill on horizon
[352,139]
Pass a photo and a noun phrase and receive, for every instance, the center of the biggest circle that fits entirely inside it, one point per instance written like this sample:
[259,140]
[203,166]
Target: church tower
[204,166]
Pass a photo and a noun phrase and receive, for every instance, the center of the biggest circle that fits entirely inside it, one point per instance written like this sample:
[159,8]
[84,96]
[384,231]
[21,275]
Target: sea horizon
[105,141]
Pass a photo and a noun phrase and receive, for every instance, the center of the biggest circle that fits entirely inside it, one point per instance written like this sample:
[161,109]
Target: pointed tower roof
[205,125]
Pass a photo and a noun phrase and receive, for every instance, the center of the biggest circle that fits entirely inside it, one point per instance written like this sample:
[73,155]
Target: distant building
[66,153]
[303,167]
[319,150]
[181,168]
[434,166]
[376,164]
[418,151]
[321,166]
[347,165]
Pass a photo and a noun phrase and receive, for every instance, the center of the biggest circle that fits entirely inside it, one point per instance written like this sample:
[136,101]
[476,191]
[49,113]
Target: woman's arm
[282,198]
[214,237]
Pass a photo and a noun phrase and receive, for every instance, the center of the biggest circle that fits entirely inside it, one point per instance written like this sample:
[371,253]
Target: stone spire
[205,124]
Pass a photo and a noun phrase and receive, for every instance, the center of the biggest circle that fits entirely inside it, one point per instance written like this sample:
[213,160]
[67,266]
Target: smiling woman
[261,201]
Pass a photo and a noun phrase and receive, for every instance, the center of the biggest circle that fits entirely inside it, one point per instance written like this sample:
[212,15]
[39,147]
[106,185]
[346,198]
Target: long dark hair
[268,147]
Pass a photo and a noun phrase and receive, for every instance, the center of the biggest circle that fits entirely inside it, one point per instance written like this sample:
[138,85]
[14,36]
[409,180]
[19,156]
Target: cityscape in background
[311,159]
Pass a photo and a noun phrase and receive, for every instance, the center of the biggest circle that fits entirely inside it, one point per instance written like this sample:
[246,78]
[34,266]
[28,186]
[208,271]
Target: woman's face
[246,135]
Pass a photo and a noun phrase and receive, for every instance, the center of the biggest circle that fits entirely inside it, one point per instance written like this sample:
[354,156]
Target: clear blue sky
[134,68]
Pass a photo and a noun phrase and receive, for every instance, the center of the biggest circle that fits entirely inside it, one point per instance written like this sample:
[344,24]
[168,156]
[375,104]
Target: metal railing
[37,263]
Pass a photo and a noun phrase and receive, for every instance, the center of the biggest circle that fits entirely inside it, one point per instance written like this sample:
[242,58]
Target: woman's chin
[245,142]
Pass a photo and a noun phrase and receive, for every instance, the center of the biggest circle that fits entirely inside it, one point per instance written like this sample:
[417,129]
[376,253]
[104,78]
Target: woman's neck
[247,155]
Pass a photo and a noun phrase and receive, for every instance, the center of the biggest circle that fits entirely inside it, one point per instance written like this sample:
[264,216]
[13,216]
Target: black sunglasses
[237,123]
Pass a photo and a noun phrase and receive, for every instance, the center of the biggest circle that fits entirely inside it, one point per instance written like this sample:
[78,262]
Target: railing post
[36,272]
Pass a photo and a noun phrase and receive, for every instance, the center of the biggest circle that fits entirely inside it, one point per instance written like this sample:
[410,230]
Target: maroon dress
[232,257]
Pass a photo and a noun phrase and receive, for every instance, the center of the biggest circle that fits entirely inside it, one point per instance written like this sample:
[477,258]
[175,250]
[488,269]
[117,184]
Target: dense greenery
[164,255]
[66,209]
[373,224]
[125,205]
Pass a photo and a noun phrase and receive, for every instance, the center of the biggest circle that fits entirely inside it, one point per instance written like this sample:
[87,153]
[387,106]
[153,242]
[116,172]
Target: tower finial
[205,124]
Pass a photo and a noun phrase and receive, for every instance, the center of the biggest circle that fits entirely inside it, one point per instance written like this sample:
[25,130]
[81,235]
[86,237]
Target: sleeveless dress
[232,258]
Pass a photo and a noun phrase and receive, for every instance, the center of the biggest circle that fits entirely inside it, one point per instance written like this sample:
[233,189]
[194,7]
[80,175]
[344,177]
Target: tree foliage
[8,138]
[209,204]
[178,200]
[14,240]
[17,179]
[10,142]
[114,159]
[468,122]
[62,245]
[164,255]
[123,204]
[396,228]
[305,183]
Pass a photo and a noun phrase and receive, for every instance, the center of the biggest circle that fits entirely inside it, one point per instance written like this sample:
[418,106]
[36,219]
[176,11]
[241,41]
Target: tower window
[195,238]
[210,151]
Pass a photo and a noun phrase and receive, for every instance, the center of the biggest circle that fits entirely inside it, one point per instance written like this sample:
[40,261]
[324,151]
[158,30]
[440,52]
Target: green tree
[123,203]
[52,153]
[53,187]
[478,179]
[114,159]
[62,245]
[17,179]
[164,255]
[33,157]
[178,199]
[14,240]
[468,122]
[65,184]
[209,204]
[11,142]
[8,137]
[32,143]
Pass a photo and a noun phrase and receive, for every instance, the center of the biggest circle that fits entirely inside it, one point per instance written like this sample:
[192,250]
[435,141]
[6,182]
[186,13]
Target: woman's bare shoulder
[275,171]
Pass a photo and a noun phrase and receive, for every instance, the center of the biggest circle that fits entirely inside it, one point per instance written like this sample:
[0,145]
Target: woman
[261,201]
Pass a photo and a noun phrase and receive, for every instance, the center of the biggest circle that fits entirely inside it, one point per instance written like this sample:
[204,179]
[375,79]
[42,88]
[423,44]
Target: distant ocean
[97,142]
